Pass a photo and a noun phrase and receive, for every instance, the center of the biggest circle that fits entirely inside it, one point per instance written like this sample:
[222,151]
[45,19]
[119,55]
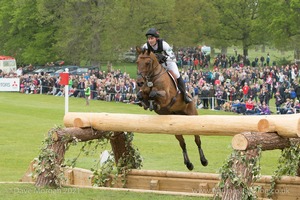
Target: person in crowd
[211,96]
[297,90]
[81,87]
[87,93]
[245,89]
[19,71]
[72,91]
[204,96]
[60,92]
[250,107]
[238,107]
[219,95]
[265,110]
[278,101]
[297,106]
[264,96]
[287,107]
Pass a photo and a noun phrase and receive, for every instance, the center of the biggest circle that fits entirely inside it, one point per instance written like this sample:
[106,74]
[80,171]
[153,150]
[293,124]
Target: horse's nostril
[140,84]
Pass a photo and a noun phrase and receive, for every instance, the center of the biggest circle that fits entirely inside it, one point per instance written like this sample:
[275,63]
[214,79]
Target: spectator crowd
[229,83]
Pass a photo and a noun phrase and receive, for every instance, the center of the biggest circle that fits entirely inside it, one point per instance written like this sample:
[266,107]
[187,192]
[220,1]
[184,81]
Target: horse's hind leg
[187,162]
[204,162]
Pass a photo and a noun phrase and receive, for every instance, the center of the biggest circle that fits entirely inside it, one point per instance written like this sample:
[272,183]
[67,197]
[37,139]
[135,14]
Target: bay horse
[159,92]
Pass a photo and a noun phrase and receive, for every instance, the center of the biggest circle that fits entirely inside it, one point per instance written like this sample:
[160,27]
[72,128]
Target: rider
[166,57]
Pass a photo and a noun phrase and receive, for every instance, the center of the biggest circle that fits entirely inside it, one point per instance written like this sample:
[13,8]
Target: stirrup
[187,99]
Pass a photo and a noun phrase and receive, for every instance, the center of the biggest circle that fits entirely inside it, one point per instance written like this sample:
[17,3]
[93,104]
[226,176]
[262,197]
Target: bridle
[150,77]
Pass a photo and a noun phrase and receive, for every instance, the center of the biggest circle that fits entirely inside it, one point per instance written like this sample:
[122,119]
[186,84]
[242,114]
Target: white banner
[10,84]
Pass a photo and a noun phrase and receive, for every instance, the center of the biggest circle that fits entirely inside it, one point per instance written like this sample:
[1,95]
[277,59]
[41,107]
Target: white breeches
[172,66]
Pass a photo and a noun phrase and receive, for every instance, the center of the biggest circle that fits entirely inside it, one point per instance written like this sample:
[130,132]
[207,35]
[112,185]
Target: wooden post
[49,176]
[267,141]
[244,172]
[118,145]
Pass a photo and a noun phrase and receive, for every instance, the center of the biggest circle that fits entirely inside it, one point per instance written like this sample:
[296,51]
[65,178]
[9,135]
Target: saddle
[172,76]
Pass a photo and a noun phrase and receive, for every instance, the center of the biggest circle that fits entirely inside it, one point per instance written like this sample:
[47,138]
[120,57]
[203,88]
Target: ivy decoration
[229,174]
[289,161]
[104,175]
[88,148]
[130,159]
[47,159]
[108,173]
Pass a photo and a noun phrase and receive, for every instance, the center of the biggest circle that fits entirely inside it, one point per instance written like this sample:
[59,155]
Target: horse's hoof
[151,107]
[190,166]
[204,162]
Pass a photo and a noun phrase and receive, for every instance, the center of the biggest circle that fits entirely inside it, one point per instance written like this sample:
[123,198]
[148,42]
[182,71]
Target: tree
[238,23]
[282,22]
[5,24]
[25,37]
[90,32]
[194,22]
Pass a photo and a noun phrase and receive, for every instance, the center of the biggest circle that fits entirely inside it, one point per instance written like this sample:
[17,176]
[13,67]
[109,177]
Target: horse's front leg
[203,160]
[142,97]
[186,159]
[156,99]
[154,94]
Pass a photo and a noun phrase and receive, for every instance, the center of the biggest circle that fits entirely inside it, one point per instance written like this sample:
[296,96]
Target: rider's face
[151,40]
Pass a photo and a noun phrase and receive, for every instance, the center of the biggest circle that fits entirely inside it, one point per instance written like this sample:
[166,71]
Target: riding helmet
[153,32]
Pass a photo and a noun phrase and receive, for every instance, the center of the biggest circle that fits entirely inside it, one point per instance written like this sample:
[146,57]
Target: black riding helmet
[153,32]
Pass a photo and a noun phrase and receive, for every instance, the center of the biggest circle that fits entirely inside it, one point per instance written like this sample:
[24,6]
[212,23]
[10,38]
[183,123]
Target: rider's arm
[169,51]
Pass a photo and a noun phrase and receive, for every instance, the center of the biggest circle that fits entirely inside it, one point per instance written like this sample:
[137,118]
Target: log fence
[269,132]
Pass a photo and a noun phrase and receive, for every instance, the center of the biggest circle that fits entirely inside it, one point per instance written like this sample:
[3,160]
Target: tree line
[94,31]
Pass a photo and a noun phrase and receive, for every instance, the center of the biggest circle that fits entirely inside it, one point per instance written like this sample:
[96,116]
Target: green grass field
[26,119]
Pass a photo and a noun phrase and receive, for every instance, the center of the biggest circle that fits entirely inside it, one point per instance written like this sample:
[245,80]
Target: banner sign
[10,84]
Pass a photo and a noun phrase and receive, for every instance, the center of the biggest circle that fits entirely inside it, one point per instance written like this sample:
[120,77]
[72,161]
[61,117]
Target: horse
[159,92]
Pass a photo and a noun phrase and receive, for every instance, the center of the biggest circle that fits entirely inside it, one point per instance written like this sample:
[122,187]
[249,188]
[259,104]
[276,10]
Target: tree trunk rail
[213,125]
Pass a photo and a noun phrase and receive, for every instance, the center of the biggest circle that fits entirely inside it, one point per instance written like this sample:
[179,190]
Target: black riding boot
[181,86]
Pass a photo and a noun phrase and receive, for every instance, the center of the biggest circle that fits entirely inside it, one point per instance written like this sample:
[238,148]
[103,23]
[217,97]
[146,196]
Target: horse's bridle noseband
[150,78]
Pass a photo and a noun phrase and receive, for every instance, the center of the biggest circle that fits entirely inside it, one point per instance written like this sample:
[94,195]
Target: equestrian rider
[166,57]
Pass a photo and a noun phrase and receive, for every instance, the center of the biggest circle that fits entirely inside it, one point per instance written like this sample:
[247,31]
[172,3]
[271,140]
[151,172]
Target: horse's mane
[149,53]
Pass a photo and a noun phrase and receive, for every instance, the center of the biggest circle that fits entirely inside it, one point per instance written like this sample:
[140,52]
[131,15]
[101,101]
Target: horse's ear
[148,51]
[138,49]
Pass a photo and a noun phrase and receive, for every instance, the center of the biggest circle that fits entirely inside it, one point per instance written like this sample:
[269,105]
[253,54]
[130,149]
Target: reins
[151,77]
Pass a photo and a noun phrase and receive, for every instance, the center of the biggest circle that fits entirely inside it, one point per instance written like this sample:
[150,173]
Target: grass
[26,119]
[14,191]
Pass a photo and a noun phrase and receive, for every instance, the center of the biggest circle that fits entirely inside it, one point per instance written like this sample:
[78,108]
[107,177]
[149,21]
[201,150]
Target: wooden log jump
[280,124]
[245,129]
[223,125]
[267,141]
